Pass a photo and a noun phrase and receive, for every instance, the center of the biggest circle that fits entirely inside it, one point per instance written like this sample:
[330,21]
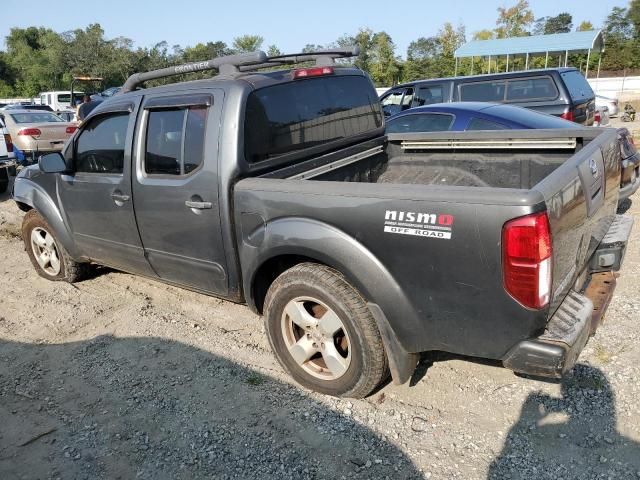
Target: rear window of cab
[301,114]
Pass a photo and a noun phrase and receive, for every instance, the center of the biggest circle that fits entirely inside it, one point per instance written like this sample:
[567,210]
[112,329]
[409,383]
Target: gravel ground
[123,377]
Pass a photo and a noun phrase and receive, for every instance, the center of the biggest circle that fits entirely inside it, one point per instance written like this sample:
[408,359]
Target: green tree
[273,51]
[584,26]
[385,67]
[247,43]
[484,35]
[514,21]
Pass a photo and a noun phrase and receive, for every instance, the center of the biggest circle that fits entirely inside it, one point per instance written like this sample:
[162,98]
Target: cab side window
[175,140]
[428,95]
[100,146]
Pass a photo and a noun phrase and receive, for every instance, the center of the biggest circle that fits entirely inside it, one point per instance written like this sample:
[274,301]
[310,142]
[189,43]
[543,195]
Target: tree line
[39,59]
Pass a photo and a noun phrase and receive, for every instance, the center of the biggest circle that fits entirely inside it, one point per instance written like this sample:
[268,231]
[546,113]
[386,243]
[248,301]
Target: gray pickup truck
[279,188]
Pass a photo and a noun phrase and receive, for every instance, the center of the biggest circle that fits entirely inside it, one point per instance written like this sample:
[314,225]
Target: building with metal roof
[549,46]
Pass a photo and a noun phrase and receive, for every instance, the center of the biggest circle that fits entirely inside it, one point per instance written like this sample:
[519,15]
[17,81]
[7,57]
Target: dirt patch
[122,377]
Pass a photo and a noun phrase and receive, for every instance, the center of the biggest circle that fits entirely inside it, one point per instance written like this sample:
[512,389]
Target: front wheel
[323,333]
[46,253]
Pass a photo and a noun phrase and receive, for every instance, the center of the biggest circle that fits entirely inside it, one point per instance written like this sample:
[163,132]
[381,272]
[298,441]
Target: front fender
[332,247]
[44,199]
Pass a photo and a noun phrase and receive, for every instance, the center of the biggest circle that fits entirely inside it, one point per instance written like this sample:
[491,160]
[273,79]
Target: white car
[610,103]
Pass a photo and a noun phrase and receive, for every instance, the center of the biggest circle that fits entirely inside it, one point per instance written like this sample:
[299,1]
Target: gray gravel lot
[123,377]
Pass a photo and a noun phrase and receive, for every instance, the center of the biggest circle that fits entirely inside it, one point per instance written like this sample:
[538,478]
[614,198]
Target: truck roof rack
[240,63]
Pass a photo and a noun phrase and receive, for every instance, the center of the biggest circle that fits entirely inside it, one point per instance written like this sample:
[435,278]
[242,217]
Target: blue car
[462,116]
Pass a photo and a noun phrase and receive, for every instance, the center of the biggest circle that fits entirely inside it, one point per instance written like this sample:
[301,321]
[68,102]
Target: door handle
[118,197]
[198,205]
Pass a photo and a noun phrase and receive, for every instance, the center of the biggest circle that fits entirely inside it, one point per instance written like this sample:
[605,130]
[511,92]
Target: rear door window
[578,87]
[540,88]
[483,91]
[175,140]
[427,95]
[420,122]
[293,116]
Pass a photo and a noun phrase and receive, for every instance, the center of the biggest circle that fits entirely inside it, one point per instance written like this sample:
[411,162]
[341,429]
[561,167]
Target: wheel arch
[31,196]
[286,242]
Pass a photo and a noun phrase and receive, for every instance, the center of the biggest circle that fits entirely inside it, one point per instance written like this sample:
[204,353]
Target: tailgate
[581,198]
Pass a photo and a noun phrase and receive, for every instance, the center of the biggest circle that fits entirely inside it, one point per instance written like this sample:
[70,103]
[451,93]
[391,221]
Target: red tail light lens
[526,256]
[71,129]
[568,116]
[32,132]
[312,72]
[9,142]
[596,117]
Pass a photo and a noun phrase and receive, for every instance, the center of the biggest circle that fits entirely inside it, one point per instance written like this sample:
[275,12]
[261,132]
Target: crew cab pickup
[280,189]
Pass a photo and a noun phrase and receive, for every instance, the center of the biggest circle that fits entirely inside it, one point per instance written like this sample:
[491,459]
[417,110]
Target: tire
[334,337]
[39,240]
[3,186]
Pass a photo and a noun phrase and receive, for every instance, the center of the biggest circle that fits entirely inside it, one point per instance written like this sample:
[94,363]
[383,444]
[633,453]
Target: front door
[175,189]
[97,197]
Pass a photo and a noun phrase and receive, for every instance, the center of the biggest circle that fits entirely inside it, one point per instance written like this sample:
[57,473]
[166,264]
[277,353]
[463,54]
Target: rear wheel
[46,253]
[323,333]
[4,179]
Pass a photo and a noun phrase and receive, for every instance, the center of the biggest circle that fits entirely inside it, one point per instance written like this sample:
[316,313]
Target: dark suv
[563,92]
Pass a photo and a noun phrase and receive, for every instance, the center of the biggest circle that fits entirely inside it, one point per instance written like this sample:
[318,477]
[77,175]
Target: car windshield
[35,117]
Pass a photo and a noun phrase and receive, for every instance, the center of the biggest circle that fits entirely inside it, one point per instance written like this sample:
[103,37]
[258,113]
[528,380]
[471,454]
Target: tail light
[568,116]
[71,129]
[9,142]
[526,255]
[597,117]
[312,72]
[32,132]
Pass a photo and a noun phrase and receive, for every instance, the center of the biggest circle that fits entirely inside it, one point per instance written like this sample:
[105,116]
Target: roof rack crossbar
[243,62]
[227,63]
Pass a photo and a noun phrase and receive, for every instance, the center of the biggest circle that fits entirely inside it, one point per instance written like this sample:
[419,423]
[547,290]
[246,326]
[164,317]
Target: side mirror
[52,163]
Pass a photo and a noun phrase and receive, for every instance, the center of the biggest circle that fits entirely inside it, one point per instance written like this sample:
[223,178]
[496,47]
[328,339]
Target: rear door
[175,188]
[583,99]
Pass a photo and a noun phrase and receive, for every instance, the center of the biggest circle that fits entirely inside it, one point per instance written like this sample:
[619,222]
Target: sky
[288,24]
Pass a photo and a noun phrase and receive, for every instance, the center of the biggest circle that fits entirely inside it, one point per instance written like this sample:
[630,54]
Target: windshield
[65,97]
[35,117]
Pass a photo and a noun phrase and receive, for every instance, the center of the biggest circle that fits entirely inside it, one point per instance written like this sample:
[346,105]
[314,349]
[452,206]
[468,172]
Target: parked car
[610,103]
[360,249]
[466,116]
[562,92]
[7,158]
[109,92]
[28,106]
[34,132]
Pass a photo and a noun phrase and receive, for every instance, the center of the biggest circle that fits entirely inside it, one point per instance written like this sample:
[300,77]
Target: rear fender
[330,246]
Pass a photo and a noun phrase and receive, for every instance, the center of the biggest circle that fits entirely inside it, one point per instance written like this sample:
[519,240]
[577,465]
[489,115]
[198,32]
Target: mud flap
[401,363]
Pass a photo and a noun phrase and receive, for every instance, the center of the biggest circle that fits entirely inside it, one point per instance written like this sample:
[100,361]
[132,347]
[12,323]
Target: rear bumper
[556,351]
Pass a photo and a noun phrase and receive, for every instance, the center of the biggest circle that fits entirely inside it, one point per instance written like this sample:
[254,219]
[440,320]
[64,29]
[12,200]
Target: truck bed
[386,197]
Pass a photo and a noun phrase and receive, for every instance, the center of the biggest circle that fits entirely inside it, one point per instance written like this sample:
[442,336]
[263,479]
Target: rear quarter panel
[438,294]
